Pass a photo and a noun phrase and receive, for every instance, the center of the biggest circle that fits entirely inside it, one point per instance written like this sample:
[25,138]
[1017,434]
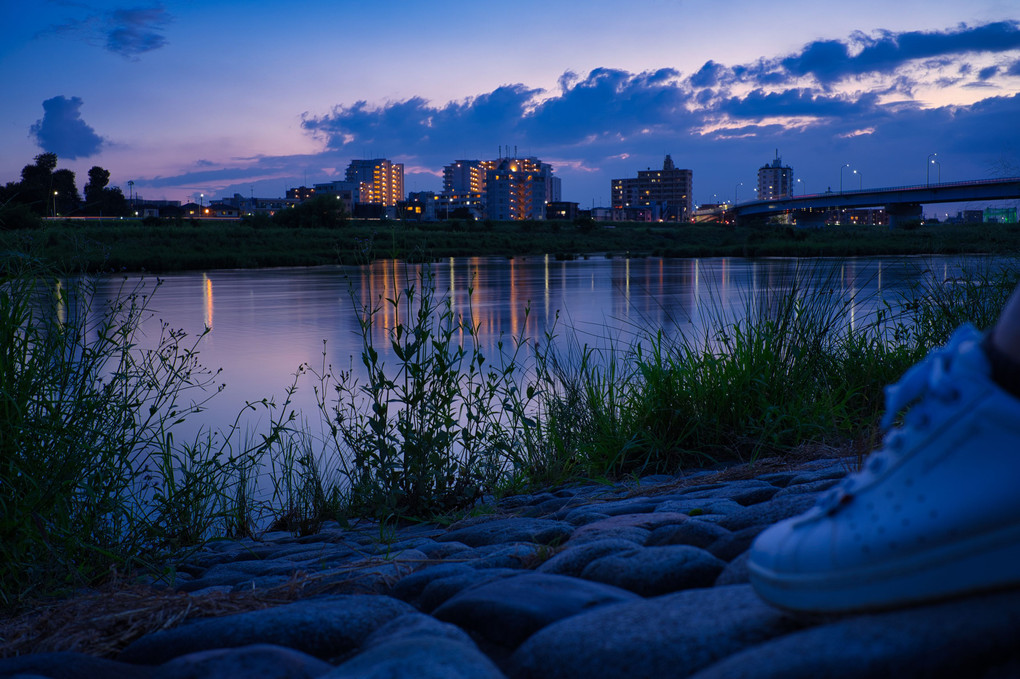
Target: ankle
[1005,370]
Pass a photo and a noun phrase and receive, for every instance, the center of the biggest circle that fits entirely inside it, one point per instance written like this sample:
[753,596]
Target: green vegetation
[317,234]
[94,474]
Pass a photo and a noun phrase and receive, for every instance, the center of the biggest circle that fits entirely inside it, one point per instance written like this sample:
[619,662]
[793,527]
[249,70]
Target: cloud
[62,131]
[417,124]
[1014,69]
[832,60]
[134,31]
[709,75]
[796,103]
[129,32]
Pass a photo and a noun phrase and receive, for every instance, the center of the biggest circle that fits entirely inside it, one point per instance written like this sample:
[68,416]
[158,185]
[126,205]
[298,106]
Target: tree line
[45,191]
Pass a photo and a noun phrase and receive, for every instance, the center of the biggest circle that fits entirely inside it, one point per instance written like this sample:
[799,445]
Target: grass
[194,245]
[94,475]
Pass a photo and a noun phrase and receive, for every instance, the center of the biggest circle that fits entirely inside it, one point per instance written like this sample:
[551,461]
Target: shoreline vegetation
[95,480]
[161,246]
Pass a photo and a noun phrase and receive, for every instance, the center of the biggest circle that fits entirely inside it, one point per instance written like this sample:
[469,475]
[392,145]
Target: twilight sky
[225,96]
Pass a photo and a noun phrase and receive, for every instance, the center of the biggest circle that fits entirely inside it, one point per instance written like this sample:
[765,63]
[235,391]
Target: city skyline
[221,98]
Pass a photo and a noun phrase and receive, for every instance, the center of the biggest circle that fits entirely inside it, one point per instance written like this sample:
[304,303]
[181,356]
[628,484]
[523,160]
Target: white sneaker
[934,513]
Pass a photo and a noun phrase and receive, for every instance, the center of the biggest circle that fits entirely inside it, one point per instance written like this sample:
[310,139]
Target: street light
[841,168]
[735,192]
[201,201]
[927,168]
[802,189]
[939,174]
[860,177]
[54,204]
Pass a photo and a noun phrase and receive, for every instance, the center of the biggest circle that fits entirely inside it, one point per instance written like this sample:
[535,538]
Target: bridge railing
[890,189]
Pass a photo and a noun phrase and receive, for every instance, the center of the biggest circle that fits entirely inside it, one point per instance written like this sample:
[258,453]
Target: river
[264,324]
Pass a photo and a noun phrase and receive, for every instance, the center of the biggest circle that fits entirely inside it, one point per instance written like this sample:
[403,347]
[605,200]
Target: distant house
[221,211]
[561,210]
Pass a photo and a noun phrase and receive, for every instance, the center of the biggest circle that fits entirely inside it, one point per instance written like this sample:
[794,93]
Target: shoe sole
[979,563]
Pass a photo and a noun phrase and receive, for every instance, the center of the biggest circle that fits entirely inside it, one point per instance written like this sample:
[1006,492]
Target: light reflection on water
[265,323]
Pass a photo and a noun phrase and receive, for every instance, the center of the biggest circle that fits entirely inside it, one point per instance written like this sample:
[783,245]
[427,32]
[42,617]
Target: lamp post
[841,168]
[201,202]
[860,179]
[735,192]
[54,204]
[802,189]
[938,175]
[927,168]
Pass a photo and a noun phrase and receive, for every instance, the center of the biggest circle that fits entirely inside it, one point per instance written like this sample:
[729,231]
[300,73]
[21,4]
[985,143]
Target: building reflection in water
[207,300]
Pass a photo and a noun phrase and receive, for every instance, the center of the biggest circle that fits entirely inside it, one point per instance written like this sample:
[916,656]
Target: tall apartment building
[667,192]
[775,180]
[519,188]
[506,189]
[463,177]
[379,181]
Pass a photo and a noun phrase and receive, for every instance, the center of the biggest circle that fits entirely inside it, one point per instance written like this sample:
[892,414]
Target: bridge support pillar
[903,213]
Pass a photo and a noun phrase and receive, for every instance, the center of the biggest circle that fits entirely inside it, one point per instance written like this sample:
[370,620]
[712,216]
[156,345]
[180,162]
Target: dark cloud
[605,104]
[134,31]
[709,75]
[827,60]
[416,123]
[1014,69]
[831,60]
[129,32]
[609,103]
[988,72]
[62,131]
[797,102]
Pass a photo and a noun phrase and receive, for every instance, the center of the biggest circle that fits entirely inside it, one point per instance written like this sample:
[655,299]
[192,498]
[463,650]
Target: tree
[36,189]
[319,212]
[98,179]
[66,198]
[100,200]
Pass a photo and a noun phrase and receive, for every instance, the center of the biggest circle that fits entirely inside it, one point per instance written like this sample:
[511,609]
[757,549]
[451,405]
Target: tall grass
[438,426]
[787,367]
[92,472]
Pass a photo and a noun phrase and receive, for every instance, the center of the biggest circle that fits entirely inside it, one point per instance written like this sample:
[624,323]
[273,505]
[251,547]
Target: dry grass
[105,621]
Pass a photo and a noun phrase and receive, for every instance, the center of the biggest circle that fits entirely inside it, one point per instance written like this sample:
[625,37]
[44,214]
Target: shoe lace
[927,386]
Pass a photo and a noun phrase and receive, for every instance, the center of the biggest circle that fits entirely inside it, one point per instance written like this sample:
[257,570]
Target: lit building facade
[379,181]
[464,177]
[775,180]
[668,192]
[503,189]
[519,188]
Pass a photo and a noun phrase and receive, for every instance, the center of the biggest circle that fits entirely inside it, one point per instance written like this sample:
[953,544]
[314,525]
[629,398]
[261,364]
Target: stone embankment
[641,579]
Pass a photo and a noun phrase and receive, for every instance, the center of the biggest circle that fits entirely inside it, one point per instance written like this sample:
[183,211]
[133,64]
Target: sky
[254,97]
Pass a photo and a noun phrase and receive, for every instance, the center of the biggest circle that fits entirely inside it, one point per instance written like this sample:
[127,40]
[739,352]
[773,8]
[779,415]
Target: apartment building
[775,180]
[379,181]
[519,188]
[667,192]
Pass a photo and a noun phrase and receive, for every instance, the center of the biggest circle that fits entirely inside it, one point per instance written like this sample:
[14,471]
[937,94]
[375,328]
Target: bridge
[901,203]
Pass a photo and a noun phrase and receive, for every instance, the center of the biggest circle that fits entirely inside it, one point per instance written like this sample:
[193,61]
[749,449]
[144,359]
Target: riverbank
[643,578]
[125,245]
